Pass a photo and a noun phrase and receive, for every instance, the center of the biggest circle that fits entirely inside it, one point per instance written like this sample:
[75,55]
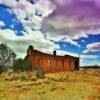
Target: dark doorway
[76,65]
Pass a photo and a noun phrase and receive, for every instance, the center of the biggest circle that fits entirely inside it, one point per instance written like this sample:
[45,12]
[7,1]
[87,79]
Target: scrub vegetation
[77,85]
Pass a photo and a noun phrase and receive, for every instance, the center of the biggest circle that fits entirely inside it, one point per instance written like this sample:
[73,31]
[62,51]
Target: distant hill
[94,67]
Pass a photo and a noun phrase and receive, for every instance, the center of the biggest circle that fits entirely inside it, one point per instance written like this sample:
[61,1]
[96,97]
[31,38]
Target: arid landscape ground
[78,85]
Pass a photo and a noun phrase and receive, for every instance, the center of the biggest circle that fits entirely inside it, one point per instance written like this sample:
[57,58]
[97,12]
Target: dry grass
[79,85]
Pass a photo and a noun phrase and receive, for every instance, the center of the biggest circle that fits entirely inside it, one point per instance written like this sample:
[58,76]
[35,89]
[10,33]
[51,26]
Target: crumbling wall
[53,63]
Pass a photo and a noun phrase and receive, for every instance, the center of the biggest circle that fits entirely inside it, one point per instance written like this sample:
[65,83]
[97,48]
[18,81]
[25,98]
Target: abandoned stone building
[52,63]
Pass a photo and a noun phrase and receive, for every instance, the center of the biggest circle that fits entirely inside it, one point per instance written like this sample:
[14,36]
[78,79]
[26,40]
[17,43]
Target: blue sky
[23,23]
[10,20]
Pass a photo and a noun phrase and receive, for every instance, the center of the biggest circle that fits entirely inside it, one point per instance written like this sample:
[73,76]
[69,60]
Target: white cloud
[93,47]
[63,2]
[62,53]
[66,19]
[62,38]
[2,24]
[62,26]
[68,40]
[24,9]
[21,43]
[88,56]
[35,38]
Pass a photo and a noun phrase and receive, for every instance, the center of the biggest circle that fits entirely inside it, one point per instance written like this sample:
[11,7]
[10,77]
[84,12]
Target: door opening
[76,65]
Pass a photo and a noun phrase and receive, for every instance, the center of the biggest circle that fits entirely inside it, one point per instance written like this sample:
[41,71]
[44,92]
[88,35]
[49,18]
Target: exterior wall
[67,63]
[52,63]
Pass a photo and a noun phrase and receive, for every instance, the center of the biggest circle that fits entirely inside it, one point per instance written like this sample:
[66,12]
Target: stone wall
[52,63]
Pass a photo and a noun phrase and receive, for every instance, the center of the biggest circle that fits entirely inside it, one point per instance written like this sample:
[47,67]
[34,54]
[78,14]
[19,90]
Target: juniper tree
[7,57]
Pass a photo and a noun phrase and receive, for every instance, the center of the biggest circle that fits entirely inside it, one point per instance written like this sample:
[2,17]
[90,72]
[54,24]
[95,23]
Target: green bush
[33,78]
[24,78]
[22,65]
[40,73]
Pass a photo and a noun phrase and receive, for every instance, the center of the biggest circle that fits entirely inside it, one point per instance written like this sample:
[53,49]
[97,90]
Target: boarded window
[49,63]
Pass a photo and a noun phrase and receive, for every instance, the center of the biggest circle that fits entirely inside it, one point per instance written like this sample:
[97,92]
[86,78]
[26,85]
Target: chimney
[31,47]
[30,50]
[54,53]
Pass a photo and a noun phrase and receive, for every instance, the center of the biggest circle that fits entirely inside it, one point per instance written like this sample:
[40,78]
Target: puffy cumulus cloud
[32,12]
[62,2]
[2,24]
[74,18]
[62,53]
[20,43]
[62,38]
[88,56]
[93,47]
[68,40]
[28,13]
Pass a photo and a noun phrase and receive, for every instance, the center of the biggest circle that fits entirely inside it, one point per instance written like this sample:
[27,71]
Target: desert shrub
[22,65]
[33,78]
[11,77]
[40,73]
[46,81]
[14,77]
[24,78]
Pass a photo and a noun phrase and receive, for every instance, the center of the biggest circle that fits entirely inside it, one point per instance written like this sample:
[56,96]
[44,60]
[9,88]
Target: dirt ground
[77,85]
